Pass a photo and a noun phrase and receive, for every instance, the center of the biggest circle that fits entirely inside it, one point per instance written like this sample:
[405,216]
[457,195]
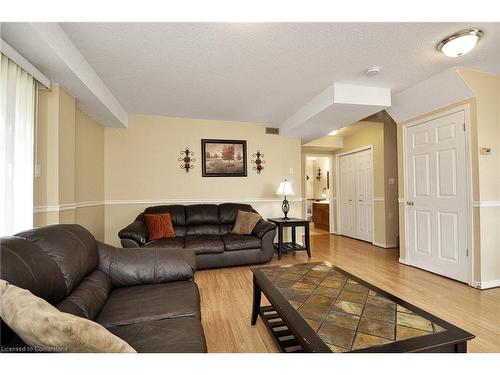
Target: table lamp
[285,188]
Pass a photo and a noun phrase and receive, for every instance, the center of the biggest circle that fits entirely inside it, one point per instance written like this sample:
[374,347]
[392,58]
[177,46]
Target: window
[17,122]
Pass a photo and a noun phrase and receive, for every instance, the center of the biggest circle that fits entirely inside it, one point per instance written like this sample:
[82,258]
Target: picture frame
[224,158]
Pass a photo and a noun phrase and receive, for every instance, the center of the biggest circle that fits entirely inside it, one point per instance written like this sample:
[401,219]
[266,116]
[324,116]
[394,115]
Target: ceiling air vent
[273,131]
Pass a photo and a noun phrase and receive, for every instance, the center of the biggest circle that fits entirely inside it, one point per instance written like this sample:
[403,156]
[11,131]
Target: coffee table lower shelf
[282,335]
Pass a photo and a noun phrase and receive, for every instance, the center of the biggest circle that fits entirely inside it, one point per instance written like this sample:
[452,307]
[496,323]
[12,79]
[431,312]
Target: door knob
[410,203]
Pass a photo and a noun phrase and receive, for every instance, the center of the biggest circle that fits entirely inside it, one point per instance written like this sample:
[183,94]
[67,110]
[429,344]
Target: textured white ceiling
[263,72]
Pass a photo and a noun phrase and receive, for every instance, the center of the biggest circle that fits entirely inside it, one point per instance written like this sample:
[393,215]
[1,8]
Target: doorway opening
[317,193]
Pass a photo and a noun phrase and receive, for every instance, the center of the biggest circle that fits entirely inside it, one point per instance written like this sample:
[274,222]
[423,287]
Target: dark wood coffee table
[316,307]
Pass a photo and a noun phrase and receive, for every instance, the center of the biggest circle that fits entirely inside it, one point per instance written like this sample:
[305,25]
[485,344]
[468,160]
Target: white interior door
[364,199]
[436,212]
[355,173]
[347,169]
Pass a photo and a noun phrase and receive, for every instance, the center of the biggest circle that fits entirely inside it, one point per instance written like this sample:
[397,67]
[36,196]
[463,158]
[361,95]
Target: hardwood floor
[315,231]
[226,296]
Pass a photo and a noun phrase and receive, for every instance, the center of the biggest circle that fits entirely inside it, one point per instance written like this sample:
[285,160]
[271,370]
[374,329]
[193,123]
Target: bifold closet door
[364,199]
[347,168]
[355,172]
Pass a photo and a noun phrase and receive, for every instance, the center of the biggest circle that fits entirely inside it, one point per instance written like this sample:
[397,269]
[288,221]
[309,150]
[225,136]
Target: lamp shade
[285,188]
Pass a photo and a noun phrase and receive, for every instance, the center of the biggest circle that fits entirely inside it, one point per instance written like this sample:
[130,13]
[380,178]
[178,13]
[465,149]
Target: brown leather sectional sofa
[206,230]
[145,296]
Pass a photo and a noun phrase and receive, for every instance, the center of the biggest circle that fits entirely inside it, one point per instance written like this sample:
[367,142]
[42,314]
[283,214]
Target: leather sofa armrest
[262,227]
[137,231]
[127,267]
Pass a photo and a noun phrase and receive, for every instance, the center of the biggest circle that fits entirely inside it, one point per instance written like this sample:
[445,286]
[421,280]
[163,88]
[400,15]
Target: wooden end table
[287,247]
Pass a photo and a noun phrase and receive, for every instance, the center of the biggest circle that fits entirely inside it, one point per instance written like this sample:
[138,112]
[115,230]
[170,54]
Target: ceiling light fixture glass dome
[460,43]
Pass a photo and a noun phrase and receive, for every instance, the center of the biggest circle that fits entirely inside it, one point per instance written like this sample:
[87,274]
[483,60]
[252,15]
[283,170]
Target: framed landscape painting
[224,158]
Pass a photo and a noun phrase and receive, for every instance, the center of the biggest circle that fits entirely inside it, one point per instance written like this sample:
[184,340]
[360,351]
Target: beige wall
[486,88]
[142,167]
[55,156]
[391,182]
[89,174]
[70,153]
[484,132]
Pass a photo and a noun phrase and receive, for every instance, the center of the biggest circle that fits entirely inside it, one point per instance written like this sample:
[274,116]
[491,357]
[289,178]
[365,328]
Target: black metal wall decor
[187,159]
[318,177]
[258,161]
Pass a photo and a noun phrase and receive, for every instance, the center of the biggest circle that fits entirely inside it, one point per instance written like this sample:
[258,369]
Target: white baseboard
[486,284]
[403,261]
[475,284]
[384,245]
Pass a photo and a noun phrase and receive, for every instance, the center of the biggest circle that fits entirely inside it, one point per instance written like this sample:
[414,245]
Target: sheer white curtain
[17,122]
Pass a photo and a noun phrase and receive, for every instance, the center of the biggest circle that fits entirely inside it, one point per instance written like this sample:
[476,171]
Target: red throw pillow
[159,226]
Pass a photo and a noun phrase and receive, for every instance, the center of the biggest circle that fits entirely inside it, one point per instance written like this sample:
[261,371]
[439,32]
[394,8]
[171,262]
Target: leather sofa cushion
[87,299]
[24,264]
[229,211]
[180,231]
[167,243]
[205,244]
[205,229]
[150,302]
[241,242]
[177,213]
[176,335]
[151,265]
[198,214]
[71,246]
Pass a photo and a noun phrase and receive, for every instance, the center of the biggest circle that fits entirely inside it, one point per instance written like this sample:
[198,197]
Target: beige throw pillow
[245,222]
[41,325]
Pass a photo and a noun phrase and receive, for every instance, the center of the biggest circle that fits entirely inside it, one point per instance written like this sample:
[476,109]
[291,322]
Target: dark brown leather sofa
[206,230]
[145,296]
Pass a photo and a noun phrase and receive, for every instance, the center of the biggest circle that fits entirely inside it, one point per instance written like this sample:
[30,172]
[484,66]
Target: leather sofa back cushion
[207,229]
[229,211]
[39,324]
[177,213]
[159,226]
[25,264]
[71,246]
[245,222]
[202,214]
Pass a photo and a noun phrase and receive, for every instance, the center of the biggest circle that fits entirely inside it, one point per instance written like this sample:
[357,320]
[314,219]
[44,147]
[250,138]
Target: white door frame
[337,189]
[330,198]
[468,181]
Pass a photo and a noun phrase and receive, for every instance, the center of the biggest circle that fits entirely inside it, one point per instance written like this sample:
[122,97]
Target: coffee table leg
[308,242]
[256,301]
[461,347]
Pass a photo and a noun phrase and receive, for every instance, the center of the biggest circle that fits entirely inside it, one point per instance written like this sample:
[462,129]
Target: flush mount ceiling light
[460,43]
[334,132]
